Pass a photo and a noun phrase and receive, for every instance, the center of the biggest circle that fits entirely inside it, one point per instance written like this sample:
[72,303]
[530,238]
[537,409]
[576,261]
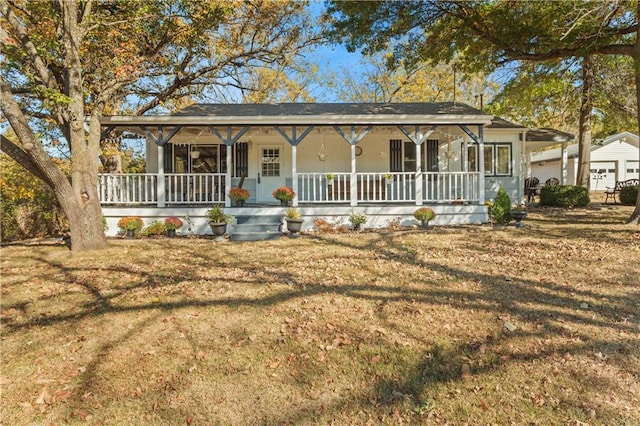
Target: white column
[481,187]
[419,188]
[354,182]
[160,184]
[227,177]
[294,173]
[564,162]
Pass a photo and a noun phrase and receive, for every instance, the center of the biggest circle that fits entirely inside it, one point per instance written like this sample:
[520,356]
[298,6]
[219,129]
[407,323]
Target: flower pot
[284,203]
[518,215]
[171,233]
[238,203]
[294,226]
[131,233]
[218,229]
[424,224]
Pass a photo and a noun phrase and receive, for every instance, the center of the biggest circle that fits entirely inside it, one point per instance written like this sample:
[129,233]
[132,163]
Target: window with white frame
[497,159]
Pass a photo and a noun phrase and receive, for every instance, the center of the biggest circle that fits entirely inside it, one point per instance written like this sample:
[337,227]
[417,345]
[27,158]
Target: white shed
[616,158]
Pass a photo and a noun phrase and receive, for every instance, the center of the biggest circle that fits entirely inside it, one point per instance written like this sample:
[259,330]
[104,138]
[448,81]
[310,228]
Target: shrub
[629,195]
[323,226]
[154,228]
[501,207]
[424,214]
[564,196]
[358,219]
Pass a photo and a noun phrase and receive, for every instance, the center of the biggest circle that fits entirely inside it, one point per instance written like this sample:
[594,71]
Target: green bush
[155,228]
[629,195]
[564,196]
[501,207]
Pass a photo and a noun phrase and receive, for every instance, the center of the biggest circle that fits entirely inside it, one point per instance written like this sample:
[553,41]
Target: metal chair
[552,181]
[531,188]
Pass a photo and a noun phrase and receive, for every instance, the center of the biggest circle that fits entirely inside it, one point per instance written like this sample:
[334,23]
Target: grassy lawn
[369,328]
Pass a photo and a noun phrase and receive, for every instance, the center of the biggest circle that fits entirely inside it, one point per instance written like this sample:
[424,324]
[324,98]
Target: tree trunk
[583,177]
[635,216]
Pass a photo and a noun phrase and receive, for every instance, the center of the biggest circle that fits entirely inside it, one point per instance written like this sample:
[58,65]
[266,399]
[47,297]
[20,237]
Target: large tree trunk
[583,177]
[635,216]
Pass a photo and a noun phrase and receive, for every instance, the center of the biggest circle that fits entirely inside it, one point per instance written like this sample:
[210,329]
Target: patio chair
[552,181]
[531,188]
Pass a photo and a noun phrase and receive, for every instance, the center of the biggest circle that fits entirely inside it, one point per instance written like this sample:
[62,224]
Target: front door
[270,173]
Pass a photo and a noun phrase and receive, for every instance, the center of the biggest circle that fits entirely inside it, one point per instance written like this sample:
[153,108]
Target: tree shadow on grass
[439,364]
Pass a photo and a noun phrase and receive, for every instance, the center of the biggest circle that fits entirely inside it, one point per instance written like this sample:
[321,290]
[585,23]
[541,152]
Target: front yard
[539,325]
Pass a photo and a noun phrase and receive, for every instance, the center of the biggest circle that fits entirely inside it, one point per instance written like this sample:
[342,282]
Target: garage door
[603,174]
[633,170]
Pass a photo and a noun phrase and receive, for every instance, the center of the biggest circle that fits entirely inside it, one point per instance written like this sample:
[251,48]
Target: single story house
[616,158]
[384,160]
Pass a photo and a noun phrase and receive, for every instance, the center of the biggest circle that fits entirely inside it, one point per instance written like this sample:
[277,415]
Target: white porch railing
[195,188]
[128,188]
[210,188]
[373,187]
[141,188]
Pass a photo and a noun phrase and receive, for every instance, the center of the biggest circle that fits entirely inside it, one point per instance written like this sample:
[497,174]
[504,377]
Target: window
[210,159]
[497,159]
[402,156]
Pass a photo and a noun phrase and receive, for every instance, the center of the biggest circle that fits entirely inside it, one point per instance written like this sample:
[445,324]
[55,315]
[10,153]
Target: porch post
[564,160]
[294,172]
[418,138]
[354,182]
[160,184]
[481,188]
[227,176]
[419,187]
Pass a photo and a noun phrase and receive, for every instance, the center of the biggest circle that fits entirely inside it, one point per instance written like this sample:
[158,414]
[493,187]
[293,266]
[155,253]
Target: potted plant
[294,222]
[357,220]
[218,221]
[388,177]
[330,178]
[424,215]
[171,224]
[239,195]
[131,225]
[284,194]
[518,214]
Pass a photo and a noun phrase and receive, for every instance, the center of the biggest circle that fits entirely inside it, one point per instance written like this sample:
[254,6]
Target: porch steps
[256,228]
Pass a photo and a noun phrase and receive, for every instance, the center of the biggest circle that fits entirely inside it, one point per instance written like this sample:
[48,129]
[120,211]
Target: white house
[616,158]
[448,156]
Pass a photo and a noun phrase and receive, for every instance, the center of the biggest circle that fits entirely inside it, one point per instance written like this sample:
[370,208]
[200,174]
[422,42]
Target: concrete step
[240,220]
[254,236]
[257,227]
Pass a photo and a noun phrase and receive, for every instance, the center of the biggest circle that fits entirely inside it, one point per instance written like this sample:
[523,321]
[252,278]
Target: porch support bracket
[353,140]
[160,139]
[470,133]
[229,140]
[418,138]
[105,132]
[294,140]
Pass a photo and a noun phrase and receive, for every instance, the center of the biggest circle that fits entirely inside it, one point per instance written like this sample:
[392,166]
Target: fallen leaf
[44,397]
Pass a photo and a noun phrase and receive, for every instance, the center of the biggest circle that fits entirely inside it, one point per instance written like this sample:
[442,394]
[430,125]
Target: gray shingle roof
[547,134]
[328,109]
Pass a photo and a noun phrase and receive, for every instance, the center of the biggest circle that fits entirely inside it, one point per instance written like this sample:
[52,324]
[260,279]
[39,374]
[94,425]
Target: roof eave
[444,119]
